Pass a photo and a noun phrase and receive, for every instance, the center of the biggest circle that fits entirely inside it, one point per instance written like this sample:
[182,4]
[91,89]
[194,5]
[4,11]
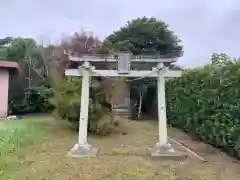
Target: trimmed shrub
[205,102]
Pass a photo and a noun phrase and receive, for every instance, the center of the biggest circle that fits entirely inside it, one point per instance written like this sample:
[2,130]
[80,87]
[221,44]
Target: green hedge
[31,100]
[205,102]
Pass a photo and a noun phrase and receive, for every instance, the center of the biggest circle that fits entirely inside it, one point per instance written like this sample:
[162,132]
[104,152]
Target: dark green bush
[205,102]
[32,100]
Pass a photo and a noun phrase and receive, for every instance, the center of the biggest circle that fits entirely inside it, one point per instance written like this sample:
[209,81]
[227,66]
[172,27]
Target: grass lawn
[35,149]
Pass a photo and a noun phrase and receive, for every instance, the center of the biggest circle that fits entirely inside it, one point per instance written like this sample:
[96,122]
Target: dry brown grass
[121,157]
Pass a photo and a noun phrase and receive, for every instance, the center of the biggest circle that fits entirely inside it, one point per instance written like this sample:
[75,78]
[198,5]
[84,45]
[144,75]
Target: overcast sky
[204,26]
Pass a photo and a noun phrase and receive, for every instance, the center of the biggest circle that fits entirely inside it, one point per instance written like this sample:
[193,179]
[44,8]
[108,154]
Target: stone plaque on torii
[123,61]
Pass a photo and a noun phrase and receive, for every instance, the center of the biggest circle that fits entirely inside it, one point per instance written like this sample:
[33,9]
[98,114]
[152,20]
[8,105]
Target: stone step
[124,116]
[122,111]
[127,113]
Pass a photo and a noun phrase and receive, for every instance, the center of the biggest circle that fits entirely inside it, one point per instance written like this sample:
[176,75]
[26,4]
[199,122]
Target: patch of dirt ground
[122,157]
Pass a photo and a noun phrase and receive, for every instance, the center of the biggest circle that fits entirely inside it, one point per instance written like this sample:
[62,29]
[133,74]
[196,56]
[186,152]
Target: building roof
[12,67]
[8,64]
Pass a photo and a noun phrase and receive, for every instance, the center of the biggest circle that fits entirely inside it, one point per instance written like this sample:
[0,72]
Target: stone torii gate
[82,148]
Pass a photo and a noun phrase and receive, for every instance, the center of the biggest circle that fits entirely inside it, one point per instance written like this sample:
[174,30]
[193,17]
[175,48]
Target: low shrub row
[205,102]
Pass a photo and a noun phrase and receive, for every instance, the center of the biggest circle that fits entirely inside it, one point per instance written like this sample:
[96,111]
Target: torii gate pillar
[162,145]
[82,148]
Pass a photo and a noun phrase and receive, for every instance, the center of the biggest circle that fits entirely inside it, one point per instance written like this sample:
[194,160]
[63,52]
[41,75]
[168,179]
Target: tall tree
[19,48]
[29,54]
[33,72]
[144,36]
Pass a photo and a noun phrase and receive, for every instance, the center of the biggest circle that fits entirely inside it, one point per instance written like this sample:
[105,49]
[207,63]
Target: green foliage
[33,100]
[28,92]
[205,102]
[28,53]
[67,102]
[144,35]
[220,58]
[3,45]
[19,48]
[2,53]
[5,41]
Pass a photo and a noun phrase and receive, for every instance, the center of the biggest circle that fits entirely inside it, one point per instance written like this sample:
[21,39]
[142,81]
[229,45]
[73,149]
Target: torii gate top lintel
[166,58]
[124,61]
